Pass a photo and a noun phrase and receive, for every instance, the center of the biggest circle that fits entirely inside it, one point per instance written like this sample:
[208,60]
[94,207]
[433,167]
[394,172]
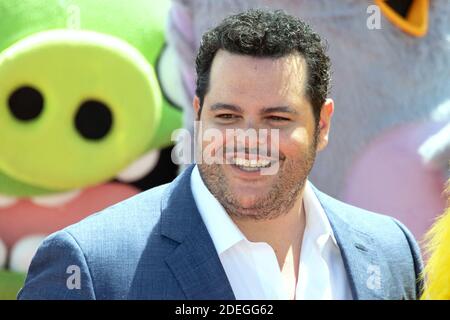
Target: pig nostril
[26,103]
[93,120]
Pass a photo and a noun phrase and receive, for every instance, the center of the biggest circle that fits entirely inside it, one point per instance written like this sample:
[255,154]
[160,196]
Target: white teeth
[251,163]
[139,168]
[55,200]
[3,254]
[23,251]
[7,201]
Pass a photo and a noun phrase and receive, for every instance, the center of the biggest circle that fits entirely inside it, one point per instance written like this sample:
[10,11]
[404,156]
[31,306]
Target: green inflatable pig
[85,92]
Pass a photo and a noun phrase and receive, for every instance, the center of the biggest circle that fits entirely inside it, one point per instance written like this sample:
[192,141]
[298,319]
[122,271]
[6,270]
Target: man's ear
[324,123]
[196,105]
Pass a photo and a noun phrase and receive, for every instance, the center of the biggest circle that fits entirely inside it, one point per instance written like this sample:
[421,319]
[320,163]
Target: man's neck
[284,233]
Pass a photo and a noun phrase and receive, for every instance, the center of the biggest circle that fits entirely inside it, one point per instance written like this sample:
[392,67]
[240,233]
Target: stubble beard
[283,194]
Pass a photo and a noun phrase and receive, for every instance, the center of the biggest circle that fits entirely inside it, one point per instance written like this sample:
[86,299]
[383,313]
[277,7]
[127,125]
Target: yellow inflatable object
[437,270]
[415,23]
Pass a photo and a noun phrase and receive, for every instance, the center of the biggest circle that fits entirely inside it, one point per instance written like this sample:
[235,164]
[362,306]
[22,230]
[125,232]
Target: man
[228,230]
[377,74]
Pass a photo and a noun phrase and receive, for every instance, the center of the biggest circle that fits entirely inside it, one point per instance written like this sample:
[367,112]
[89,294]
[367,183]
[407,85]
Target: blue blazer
[156,246]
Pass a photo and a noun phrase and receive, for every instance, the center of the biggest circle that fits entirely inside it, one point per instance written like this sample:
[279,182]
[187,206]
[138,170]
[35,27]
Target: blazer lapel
[194,262]
[364,268]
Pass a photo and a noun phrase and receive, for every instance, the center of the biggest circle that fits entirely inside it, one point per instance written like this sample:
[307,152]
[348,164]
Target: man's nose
[253,135]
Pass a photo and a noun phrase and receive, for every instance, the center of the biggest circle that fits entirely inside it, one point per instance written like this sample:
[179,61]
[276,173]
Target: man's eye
[226,116]
[276,118]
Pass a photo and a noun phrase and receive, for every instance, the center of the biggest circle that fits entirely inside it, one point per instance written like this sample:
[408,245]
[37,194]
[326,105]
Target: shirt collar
[318,226]
[224,232]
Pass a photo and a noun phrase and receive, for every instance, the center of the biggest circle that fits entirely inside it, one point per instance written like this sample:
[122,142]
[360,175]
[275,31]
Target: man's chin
[254,212]
[249,203]
[250,189]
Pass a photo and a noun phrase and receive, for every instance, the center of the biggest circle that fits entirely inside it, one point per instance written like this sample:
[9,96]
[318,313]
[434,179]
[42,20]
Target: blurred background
[91,91]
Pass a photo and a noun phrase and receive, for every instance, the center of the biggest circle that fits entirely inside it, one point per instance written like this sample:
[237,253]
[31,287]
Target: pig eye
[93,120]
[26,103]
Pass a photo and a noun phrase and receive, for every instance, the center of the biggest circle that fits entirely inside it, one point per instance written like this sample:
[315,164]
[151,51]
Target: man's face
[259,93]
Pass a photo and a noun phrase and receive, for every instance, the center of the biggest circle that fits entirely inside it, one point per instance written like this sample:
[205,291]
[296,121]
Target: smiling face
[247,92]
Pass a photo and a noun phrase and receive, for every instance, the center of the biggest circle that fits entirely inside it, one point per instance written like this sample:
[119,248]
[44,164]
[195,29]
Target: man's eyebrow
[225,106]
[281,109]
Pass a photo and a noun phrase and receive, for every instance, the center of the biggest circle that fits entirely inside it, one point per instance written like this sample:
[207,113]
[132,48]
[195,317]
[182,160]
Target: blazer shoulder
[118,251]
[58,271]
[123,217]
[381,228]
[395,245]
[120,233]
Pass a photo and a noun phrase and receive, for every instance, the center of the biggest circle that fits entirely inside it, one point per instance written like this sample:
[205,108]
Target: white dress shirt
[252,267]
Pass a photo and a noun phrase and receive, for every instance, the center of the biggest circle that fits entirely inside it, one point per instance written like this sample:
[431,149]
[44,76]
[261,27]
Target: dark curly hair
[264,33]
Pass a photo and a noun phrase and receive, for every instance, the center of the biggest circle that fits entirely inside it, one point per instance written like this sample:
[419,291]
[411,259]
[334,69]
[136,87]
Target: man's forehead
[247,75]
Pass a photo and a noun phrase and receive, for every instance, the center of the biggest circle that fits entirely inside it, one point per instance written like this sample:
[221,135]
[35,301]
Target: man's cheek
[299,137]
